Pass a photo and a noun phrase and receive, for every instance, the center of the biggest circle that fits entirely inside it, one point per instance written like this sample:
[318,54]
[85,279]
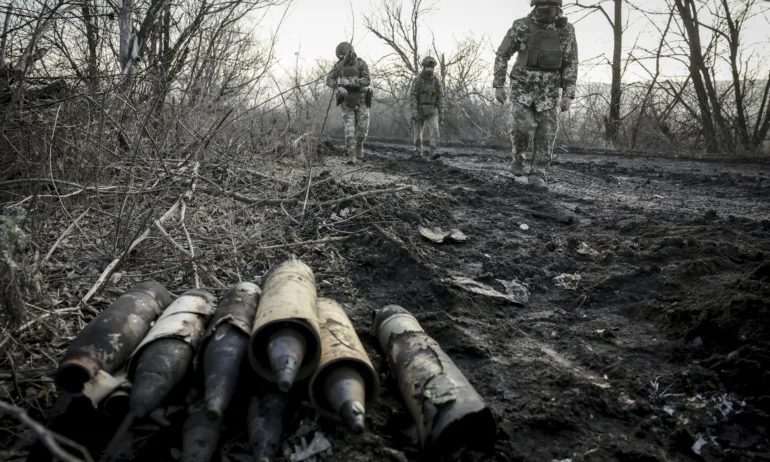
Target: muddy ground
[646,337]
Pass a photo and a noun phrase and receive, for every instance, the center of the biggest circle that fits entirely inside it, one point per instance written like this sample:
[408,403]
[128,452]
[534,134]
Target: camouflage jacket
[363,79]
[537,87]
[416,100]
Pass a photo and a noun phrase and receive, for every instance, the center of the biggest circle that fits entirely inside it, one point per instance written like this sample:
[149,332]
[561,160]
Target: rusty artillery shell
[225,344]
[449,413]
[200,437]
[345,379]
[164,356]
[285,343]
[266,416]
[107,342]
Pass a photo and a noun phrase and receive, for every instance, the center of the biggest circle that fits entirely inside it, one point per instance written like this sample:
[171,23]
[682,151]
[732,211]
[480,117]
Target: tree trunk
[92,40]
[613,123]
[697,64]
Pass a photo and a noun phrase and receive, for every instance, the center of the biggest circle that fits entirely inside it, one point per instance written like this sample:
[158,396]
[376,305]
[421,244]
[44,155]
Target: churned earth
[646,336]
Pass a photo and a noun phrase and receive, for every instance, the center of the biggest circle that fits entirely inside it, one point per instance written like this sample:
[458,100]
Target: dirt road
[646,335]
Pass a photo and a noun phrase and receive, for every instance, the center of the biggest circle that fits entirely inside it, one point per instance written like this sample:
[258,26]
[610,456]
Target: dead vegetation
[151,142]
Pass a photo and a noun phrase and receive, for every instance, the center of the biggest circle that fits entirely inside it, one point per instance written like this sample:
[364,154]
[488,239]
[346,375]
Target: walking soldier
[546,65]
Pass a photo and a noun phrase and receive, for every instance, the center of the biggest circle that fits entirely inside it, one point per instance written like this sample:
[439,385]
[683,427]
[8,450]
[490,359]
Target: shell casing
[288,303]
[449,413]
[345,382]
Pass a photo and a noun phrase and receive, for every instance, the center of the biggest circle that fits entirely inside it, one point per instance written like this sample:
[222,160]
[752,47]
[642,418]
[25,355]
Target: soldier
[547,61]
[350,76]
[426,100]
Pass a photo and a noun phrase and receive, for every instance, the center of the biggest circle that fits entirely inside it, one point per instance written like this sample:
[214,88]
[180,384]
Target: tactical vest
[543,50]
[354,94]
[427,96]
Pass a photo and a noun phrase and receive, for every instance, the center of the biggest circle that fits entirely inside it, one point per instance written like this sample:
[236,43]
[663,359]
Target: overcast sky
[315,27]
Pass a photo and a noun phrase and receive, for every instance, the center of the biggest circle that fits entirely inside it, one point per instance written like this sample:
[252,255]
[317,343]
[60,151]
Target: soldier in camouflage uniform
[426,101]
[547,62]
[350,76]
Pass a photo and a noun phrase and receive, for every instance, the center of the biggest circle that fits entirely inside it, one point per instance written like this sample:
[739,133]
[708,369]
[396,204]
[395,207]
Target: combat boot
[517,168]
[537,181]
[360,150]
[352,158]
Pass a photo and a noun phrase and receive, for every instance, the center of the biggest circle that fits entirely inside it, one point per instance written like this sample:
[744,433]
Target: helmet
[429,61]
[343,49]
[546,2]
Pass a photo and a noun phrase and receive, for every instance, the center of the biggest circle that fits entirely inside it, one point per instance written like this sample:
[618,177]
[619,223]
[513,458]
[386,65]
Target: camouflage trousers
[419,126]
[537,130]
[356,123]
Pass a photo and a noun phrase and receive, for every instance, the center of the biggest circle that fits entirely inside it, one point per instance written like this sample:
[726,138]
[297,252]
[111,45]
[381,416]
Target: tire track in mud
[608,371]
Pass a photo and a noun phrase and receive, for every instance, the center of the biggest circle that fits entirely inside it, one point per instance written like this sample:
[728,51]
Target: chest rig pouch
[544,49]
[354,94]
[428,97]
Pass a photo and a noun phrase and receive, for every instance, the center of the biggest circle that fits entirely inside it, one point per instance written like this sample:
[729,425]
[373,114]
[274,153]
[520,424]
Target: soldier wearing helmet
[426,101]
[545,70]
[350,76]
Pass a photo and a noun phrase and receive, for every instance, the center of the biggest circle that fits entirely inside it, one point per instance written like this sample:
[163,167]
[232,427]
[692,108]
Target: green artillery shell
[225,344]
[108,341]
[164,356]
[266,417]
[200,438]
[162,364]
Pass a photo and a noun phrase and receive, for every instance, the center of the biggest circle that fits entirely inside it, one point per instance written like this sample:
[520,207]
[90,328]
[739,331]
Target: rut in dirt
[658,349]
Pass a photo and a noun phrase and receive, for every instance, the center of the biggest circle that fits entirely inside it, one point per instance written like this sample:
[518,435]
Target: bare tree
[613,120]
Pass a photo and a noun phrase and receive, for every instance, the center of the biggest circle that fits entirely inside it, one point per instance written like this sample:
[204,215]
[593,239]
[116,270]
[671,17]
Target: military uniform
[426,101]
[355,112]
[547,63]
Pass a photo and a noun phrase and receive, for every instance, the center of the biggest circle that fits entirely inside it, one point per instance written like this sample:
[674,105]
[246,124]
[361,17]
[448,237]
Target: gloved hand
[566,102]
[500,94]
[441,118]
[342,94]
[415,116]
[344,82]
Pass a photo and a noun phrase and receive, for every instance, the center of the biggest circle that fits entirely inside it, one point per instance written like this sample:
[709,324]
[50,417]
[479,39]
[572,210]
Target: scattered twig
[64,235]
[49,439]
[114,264]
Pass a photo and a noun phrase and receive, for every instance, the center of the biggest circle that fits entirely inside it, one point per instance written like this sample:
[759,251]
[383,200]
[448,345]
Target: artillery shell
[286,351]
[345,379]
[201,437]
[164,356]
[108,341]
[117,404]
[285,329]
[225,344]
[162,364]
[344,390]
[449,413]
[266,416]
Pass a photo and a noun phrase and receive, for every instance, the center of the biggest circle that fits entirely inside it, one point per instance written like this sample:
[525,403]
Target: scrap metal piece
[108,341]
[164,356]
[285,337]
[450,415]
[439,236]
[200,436]
[345,379]
[266,417]
[516,293]
[224,346]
